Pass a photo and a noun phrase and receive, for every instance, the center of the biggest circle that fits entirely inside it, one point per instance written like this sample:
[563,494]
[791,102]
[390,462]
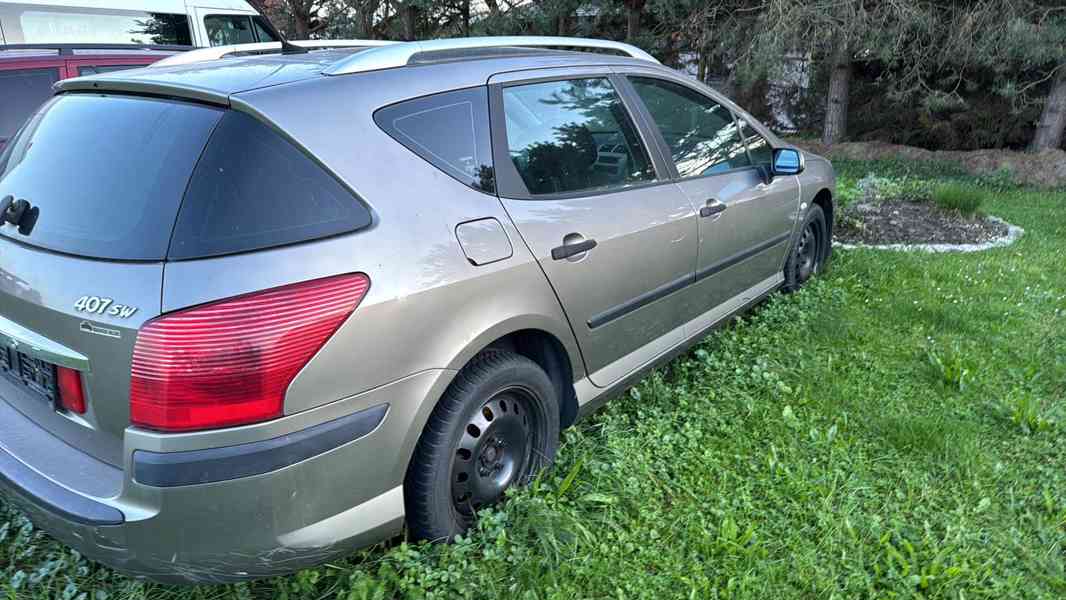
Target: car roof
[30,51]
[216,80]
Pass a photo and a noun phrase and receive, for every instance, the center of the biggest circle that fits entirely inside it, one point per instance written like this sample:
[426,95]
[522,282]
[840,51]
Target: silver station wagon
[260,309]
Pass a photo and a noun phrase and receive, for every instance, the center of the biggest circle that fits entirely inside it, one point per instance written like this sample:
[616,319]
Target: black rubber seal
[192,467]
[52,497]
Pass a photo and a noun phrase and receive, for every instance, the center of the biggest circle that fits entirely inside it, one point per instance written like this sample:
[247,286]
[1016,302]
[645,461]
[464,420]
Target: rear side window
[449,130]
[253,189]
[22,91]
[572,136]
[105,174]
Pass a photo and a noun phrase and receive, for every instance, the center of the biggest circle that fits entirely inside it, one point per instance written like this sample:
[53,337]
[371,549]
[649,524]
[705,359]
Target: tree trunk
[494,7]
[836,107]
[465,12]
[634,10]
[1049,132]
[409,13]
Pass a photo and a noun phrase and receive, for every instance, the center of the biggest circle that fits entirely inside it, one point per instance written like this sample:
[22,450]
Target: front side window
[263,30]
[449,130]
[225,30]
[760,150]
[21,92]
[573,136]
[701,134]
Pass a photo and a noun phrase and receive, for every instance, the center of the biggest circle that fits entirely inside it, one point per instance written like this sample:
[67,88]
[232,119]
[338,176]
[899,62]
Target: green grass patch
[894,430]
[966,200]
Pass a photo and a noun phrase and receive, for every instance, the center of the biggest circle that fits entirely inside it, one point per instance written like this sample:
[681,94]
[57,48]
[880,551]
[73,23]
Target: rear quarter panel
[428,307]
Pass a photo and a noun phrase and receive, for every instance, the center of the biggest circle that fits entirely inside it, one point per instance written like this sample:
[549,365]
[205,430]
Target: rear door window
[22,91]
[449,130]
[105,173]
[253,189]
[573,136]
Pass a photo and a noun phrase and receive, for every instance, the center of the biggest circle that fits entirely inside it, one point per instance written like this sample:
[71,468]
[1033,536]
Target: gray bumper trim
[191,467]
[53,497]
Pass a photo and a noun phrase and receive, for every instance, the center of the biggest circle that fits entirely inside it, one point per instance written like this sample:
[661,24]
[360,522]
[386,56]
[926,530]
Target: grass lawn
[897,429]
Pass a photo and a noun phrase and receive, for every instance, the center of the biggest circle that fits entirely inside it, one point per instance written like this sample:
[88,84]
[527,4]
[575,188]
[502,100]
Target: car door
[722,166]
[595,205]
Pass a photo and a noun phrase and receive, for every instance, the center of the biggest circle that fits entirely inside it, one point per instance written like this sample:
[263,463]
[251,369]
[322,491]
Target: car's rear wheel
[495,427]
[809,251]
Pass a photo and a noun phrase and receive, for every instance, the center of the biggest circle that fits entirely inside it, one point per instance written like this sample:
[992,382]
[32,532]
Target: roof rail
[217,52]
[400,54]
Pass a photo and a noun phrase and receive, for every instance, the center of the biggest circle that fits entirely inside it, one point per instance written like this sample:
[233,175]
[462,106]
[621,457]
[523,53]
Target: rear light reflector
[71,393]
[230,362]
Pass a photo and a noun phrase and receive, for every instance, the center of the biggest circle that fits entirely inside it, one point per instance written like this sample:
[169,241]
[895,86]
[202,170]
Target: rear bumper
[288,494]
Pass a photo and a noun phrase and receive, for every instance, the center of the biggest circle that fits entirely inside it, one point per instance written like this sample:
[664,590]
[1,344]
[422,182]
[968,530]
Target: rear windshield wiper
[19,213]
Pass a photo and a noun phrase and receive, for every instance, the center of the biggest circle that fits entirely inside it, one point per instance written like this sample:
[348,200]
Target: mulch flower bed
[901,222]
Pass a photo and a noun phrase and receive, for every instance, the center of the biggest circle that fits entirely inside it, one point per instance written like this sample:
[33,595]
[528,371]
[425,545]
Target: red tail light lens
[229,362]
[71,393]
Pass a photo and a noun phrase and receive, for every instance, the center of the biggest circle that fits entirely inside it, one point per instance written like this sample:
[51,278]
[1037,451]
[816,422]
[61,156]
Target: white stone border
[1013,234]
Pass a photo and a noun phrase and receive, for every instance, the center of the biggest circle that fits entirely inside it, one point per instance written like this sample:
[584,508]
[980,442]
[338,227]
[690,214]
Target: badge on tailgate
[96,305]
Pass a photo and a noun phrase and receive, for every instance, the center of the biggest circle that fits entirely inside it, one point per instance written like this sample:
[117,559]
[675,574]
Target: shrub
[962,198]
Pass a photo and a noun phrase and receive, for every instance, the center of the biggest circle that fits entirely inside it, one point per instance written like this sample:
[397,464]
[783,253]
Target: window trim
[664,147]
[510,185]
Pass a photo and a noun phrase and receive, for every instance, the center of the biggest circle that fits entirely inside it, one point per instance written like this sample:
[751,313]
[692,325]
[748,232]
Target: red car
[27,72]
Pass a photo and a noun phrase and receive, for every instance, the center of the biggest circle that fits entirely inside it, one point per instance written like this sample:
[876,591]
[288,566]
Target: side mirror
[787,161]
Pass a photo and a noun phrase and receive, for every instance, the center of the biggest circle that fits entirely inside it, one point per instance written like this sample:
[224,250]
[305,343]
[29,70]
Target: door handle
[712,208]
[568,250]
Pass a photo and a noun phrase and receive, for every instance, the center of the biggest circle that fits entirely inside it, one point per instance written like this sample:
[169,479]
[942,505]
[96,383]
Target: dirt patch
[1042,169]
[897,222]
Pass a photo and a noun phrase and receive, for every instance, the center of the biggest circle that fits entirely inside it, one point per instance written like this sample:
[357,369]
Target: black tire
[809,252]
[470,452]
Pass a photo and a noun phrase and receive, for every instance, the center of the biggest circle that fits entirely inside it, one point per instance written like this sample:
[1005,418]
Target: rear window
[106,173]
[21,92]
[131,178]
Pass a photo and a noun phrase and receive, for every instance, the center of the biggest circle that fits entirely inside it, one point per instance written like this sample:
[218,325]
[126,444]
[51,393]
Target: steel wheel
[494,451]
[807,252]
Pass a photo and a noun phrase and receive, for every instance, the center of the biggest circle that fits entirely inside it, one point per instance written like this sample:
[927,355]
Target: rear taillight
[71,393]
[229,362]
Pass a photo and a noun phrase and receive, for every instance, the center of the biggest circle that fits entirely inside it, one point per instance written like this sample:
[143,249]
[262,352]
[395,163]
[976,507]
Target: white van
[198,23]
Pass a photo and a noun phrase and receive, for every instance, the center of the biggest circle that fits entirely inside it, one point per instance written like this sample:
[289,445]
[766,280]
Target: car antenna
[287,47]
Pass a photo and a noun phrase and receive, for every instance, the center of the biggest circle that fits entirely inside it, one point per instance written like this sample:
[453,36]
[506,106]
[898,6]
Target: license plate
[32,373]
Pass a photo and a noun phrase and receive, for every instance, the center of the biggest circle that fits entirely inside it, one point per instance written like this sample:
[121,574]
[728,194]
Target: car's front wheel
[809,251]
[495,427]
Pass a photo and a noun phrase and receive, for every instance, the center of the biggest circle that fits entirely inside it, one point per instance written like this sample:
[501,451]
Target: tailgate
[80,313]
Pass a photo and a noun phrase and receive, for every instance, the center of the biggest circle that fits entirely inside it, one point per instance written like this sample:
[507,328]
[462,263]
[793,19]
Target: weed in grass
[963,199]
[949,366]
[1028,411]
